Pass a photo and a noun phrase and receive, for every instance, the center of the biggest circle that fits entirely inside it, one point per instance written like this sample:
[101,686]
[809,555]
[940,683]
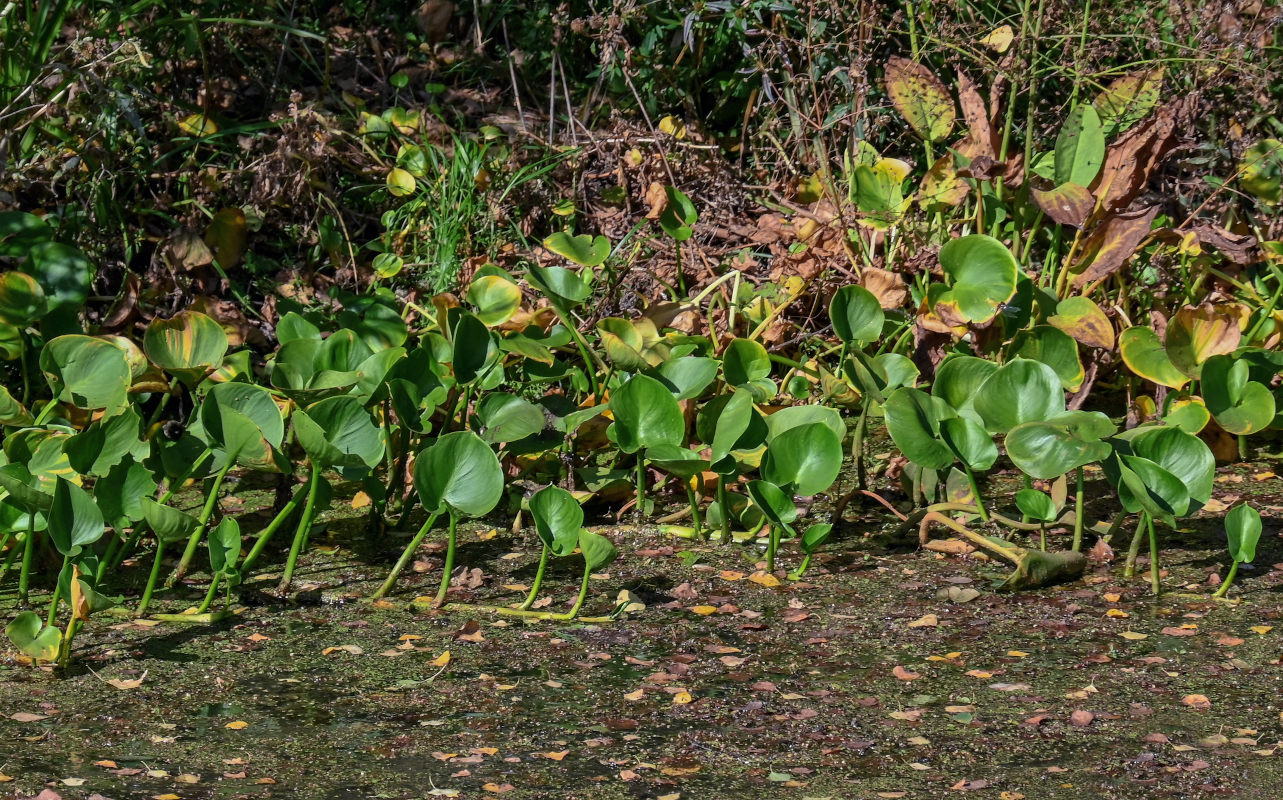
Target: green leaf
[12,413]
[87,372]
[678,216]
[224,546]
[170,524]
[598,551]
[33,638]
[1183,455]
[1080,147]
[459,472]
[807,457]
[253,402]
[969,442]
[680,461]
[959,379]
[22,301]
[773,502]
[20,231]
[23,488]
[560,282]
[495,298]
[106,442]
[1052,347]
[856,315]
[1048,449]
[74,518]
[814,537]
[646,414]
[584,249]
[1241,406]
[63,272]
[687,377]
[1019,391]
[400,182]
[120,494]
[508,418]
[187,345]
[1144,355]
[1036,505]
[558,518]
[913,420]
[795,416]
[981,273]
[745,361]
[1243,528]
[1129,99]
[339,432]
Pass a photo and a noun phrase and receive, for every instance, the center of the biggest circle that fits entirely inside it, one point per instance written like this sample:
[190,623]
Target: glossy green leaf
[856,314]
[224,545]
[1240,405]
[1019,391]
[598,551]
[495,298]
[1036,505]
[74,518]
[1145,356]
[913,420]
[508,418]
[1052,347]
[687,377]
[1048,449]
[959,379]
[1080,147]
[678,216]
[814,537]
[773,502]
[459,472]
[981,274]
[807,458]
[168,523]
[558,518]
[795,416]
[339,432]
[33,637]
[87,372]
[970,442]
[22,300]
[646,414]
[584,249]
[560,282]
[1243,529]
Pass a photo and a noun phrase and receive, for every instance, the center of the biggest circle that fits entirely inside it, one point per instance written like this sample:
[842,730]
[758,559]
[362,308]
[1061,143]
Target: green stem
[857,447]
[276,524]
[1042,533]
[975,492]
[694,502]
[64,649]
[538,581]
[1229,578]
[28,551]
[211,502]
[406,555]
[57,592]
[151,580]
[1078,513]
[641,483]
[579,602]
[209,596]
[772,544]
[724,503]
[1129,566]
[806,562]
[304,526]
[1242,447]
[1154,577]
[449,562]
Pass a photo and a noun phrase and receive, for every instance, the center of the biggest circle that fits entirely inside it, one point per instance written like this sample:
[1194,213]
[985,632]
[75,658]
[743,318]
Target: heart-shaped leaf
[807,458]
[1036,505]
[856,314]
[459,472]
[558,518]
[981,274]
[33,638]
[170,524]
[1019,391]
[187,345]
[913,419]
[1144,355]
[1243,528]
[598,551]
[224,546]
[584,249]
[74,518]
[646,414]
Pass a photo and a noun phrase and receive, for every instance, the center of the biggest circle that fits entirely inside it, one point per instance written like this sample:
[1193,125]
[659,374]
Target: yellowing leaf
[1198,701]
[238,725]
[1262,629]
[555,756]
[704,611]
[1116,612]
[682,698]
[441,660]
[360,500]
[400,183]
[765,579]
[920,97]
[730,575]
[198,125]
[999,40]
[131,683]
[1133,635]
[1017,653]
[925,621]
[673,127]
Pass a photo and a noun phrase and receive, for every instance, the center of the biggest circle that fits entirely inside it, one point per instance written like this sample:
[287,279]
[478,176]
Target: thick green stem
[772,544]
[1229,578]
[857,447]
[211,502]
[579,602]
[57,593]
[300,534]
[538,581]
[275,525]
[28,552]
[724,504]
[641,484]
[1242,447]
[449,562]
[151,580]
[406,555]
[694,503]
[975,492]
[64,649]
[1155,586]
[209,596]
[801,570]
[1129,566]
[1078,513]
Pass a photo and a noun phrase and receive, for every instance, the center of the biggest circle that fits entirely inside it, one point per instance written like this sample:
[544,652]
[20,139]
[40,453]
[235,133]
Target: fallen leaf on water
[1117,612]
[187,777]
[1225,640]
[1113,597]
[131,683]
[360,500]
[957,594]
[441,660]
[673,796]
[1262,629]
[1263,476]
[555,756]
[904,674]
[1017,653]
[979,673]
[765,579]
[1081,719]
[1009,687]
[5,778]
[704,611]
[635,696]
[238,725]
[1197,701]
[925,621]
[73,781]
[343,648]
[166,796]
[1133,635]
[682,698]
[106,764]
[730,575]
[497,788]
[24,716]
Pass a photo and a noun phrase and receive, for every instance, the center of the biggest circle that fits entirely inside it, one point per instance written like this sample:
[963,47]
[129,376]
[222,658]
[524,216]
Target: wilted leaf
[920,97]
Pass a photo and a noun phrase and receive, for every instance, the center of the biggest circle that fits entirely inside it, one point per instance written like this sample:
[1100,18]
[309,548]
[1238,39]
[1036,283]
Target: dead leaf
[1081,719]
[1197,701]
[238,725]
[343,648]
[905,675]
[925,621]
[131,683]
[764,579]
